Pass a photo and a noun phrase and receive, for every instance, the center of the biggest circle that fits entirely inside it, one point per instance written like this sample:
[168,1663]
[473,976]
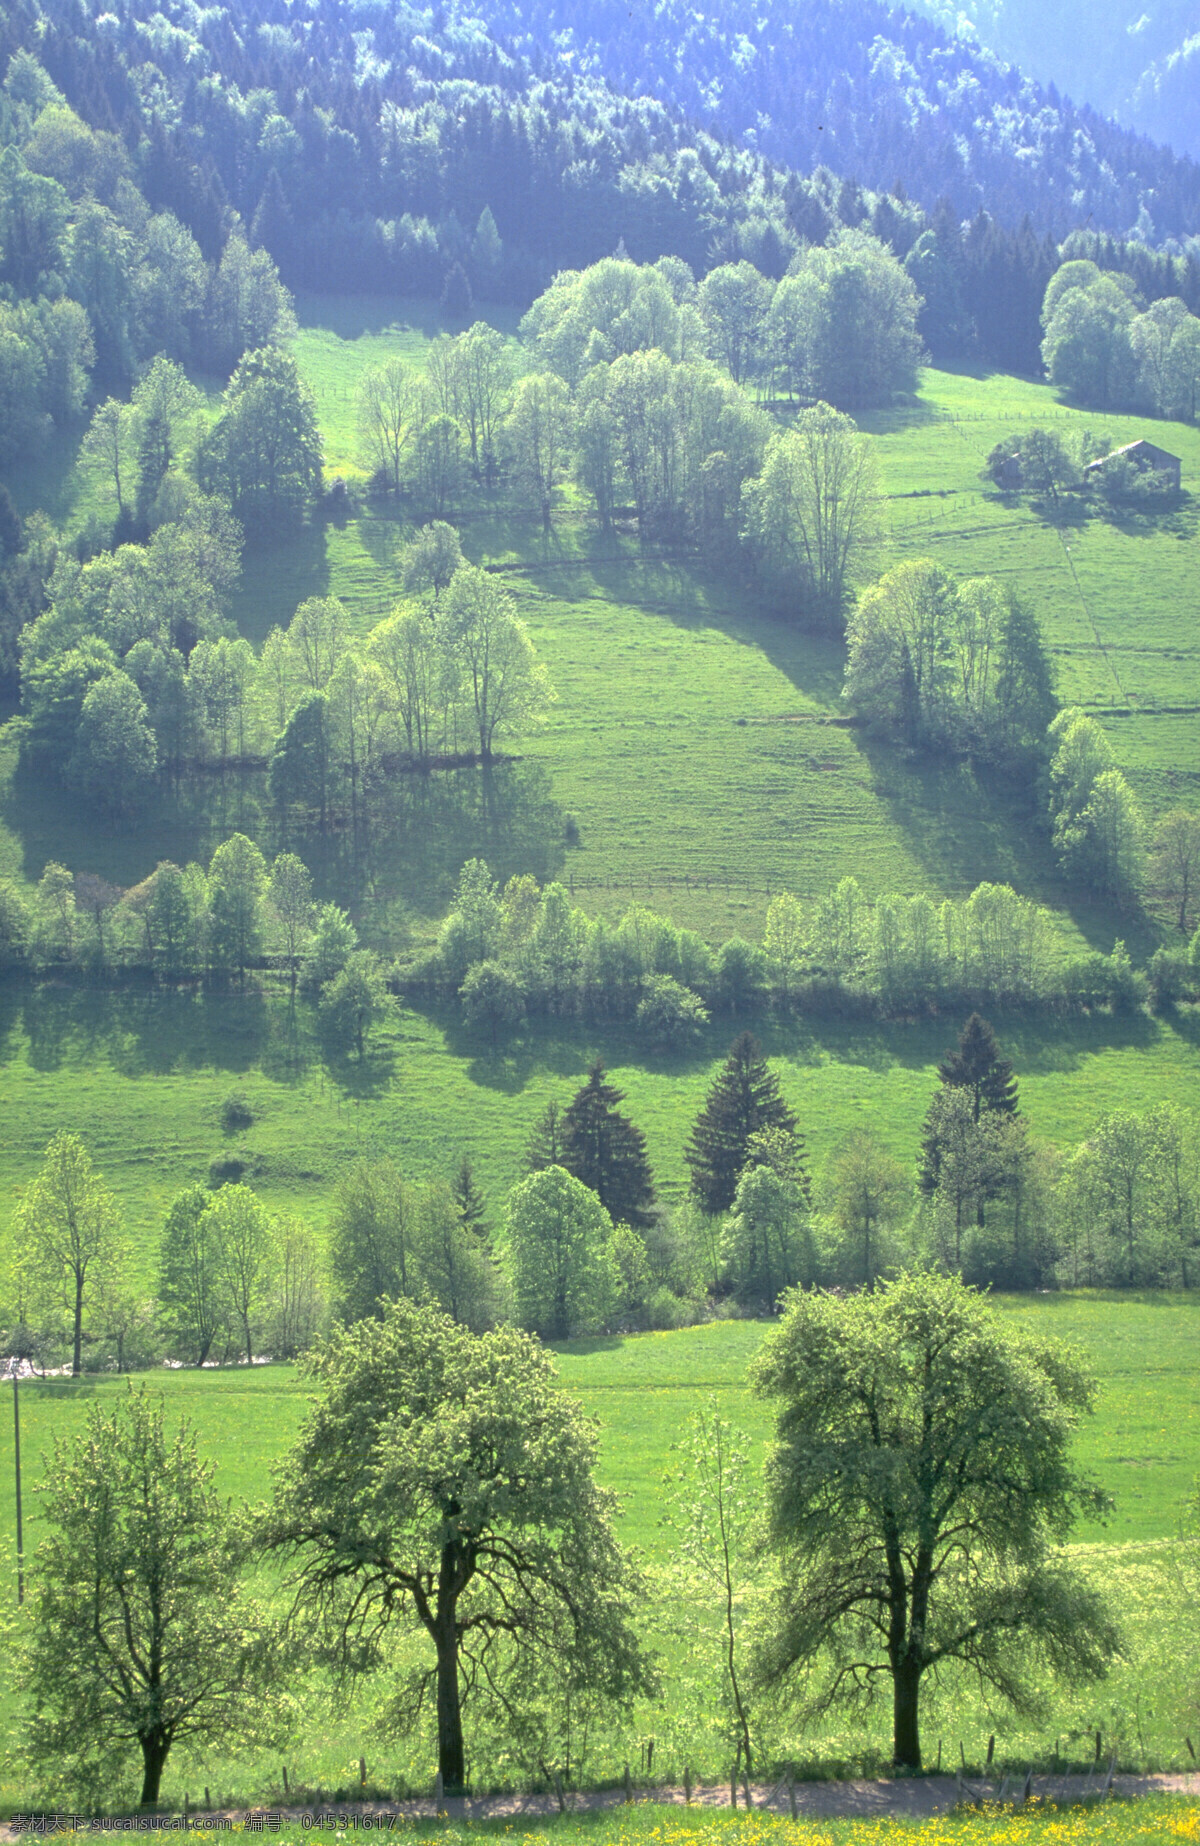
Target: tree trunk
[155,1748]
[77,1350]
[451,1755]
[906,1736]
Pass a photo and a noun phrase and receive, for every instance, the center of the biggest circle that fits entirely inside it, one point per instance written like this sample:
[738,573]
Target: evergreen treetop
[602,1148]
[743,1101]
[978,1067]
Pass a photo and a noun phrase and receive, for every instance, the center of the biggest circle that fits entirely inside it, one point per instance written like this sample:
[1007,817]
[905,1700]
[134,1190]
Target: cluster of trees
[215,923]
[96,279]
[636,406]
[230,1277]
[1108,348]
[840,325]
[937,663]
[130,675]
[1101,833]
[442,1494]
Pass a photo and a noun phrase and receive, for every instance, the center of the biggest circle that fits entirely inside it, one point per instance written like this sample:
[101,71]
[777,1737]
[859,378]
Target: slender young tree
[70,1241]
[743,1100]
[189,1274]
[604,1150]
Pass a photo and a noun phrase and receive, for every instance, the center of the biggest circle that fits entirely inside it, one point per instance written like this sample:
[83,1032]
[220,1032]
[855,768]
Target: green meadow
[1143,1445]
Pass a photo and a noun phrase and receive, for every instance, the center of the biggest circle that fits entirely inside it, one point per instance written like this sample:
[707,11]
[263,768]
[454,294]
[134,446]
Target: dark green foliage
[545,1147]
[919,1494]
[264,452]
[977,1067]
[744,1100]
[604,1150]
[302,761]
[472,1206]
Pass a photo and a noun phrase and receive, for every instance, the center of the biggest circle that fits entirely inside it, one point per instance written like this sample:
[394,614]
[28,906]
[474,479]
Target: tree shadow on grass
[148,1031]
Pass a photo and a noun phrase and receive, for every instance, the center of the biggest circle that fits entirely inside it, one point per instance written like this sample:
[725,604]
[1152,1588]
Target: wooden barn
[1144,455]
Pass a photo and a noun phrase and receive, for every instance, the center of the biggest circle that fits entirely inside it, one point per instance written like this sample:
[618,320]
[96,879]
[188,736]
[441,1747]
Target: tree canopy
[919,1493]
[444,1482]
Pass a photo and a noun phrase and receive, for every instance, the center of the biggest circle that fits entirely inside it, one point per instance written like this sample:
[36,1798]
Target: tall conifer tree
[743,1101]
[602,1148]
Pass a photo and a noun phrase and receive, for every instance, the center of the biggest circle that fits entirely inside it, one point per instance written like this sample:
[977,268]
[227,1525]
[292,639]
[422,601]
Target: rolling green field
[1143,1445]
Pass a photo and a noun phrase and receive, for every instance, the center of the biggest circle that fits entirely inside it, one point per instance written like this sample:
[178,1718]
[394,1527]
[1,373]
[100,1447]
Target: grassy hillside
[701,746]
[1143,1444]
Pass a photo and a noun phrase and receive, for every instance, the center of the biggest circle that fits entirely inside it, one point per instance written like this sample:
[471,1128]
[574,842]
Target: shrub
[236,1113]
[669,1013]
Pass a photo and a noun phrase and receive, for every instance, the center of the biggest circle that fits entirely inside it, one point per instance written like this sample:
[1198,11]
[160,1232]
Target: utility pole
[15,1367]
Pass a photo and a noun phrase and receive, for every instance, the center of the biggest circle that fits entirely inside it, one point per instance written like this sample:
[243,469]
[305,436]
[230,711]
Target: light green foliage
[70,1244]
[558,1237]
[481,1501]
[843,323]
[714,1515]
[356,999]
[138,1635]
[593,316]
[918,1493]
[193,1301]
[812,510]
[241,1239]
[264,452]
[115,752]
[768,1236]
[867,1193]
[372,1242]
[237,880]
[507,688]
[940,664]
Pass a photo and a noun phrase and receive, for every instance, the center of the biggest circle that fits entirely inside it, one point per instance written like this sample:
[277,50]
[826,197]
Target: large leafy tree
[264,451]
[604,1149]
[444,1483]
[743,1101]
[139,1635]
[919,1494]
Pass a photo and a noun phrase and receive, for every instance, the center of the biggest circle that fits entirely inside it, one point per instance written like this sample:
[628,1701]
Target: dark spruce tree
[743,1101]
[978,1067]
[472,1209]
[603,1150]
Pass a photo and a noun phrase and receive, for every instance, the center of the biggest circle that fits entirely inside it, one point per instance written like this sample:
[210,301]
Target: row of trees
[584,1245]
[442,1494]
[840,325]
[532,949]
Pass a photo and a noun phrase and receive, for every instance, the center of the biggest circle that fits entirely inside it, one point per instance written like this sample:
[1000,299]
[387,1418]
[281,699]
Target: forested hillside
[1137,62]
[383,146]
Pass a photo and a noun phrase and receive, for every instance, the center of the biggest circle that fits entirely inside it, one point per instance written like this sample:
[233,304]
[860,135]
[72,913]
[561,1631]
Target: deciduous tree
[444,1485]
[918,1496]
